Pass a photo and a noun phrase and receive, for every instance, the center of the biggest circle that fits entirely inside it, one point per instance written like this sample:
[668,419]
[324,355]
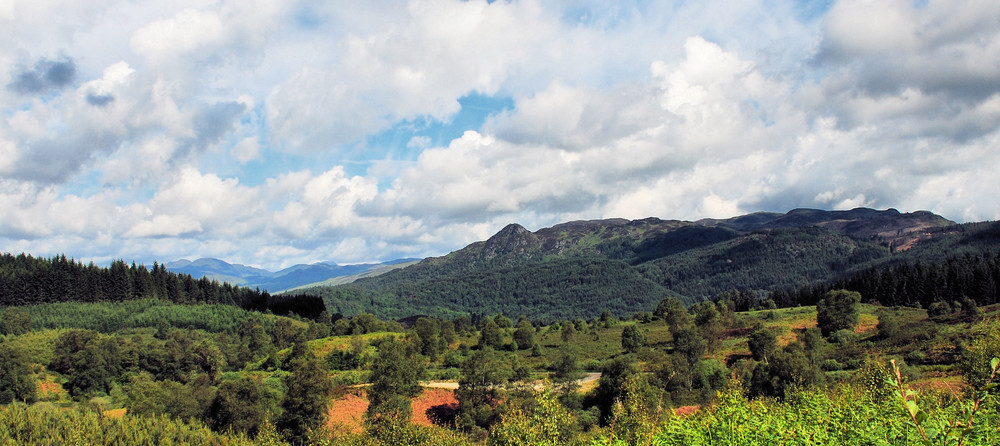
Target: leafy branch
[952,431]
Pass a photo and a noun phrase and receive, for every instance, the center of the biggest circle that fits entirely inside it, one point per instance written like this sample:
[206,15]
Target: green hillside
[579,269]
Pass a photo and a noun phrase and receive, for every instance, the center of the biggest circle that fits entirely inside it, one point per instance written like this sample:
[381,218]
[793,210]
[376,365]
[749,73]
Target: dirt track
[452,385]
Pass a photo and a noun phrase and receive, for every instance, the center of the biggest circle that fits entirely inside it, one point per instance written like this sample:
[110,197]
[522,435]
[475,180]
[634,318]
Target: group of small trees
[219,378]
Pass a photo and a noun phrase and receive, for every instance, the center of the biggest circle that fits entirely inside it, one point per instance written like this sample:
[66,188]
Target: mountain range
[315,274]
[581,268]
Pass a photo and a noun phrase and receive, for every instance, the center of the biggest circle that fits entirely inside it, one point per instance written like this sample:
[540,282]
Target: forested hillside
[131,370]
[26,280]
[579,269]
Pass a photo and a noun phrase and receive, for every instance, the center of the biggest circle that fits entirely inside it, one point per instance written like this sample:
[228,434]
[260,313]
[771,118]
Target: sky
[278,132]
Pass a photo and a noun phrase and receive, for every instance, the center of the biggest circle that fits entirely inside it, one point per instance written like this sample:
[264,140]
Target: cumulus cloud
[411,65]
[272,132]
[934,47]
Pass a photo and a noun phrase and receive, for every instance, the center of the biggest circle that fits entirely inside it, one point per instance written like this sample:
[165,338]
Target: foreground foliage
[48,425]
[843,416]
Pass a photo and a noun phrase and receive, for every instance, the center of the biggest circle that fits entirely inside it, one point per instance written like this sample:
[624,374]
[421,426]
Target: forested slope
[27,280]
[628,266]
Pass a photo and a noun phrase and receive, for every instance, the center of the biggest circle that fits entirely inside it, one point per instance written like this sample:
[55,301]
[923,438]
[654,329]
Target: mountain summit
[580,268]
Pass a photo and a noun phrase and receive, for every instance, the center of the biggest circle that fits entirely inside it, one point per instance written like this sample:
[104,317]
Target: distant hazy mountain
[288,278]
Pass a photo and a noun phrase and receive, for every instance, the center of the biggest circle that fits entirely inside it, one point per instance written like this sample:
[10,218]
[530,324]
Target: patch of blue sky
[809,10]
[405,140]
[306,17]
[83,184]
[402,142]
[601,14]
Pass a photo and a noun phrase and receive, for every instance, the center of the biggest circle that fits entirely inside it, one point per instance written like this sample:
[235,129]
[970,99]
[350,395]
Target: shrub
[939,308]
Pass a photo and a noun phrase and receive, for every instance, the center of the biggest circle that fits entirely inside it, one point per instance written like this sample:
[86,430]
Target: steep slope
[580,268]
[762,261]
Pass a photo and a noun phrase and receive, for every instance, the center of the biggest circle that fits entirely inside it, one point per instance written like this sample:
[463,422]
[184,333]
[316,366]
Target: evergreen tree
[429,333]
[762,342]
[485,375]
[14,321]
[243,404]
[524,335]
[567,332]
[689,343]
[672,310]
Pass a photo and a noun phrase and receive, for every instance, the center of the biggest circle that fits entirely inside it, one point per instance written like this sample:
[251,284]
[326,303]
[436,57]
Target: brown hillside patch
[794,328]
[952,384]
[114,413]
[868,323]
[431,407]
[684,411]
[435,407]
[348,410]
[49,390]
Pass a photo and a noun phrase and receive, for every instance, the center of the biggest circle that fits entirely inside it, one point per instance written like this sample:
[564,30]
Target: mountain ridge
[295,276]
[570,263]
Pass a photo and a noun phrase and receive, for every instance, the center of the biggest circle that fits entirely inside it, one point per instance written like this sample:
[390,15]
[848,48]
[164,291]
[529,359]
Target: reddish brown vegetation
[684,411]
[432,407]
[435,407]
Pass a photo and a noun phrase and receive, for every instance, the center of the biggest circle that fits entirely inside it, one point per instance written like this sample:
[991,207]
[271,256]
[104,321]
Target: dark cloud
[99,100]
[47,75]
[210,124]
[55,160]
[217,119]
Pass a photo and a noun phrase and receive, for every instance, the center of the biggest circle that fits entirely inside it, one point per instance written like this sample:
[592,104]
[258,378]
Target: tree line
[915,283]
[28,280]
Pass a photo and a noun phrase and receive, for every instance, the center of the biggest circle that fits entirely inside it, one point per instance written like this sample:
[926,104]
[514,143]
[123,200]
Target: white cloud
[164,226]
[188,31]
[246,150]
[672,109]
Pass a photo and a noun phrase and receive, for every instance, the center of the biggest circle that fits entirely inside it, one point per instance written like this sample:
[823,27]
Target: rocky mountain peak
[513,239]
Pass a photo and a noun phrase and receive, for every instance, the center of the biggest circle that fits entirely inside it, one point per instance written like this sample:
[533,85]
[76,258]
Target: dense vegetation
[250,378]
[916,283]
[543,289]
[513,273]
[889,347]
[26,280]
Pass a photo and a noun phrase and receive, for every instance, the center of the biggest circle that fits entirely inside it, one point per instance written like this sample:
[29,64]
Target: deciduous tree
[633,339]
[395,380]
[307,397]
[16,380]
[838,310]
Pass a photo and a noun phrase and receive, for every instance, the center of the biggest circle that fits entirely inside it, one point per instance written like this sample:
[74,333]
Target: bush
[547,423]
[832,365]
[844,337]
[916,357]
[976,355]
[633,339]
[888,324]
[938,309]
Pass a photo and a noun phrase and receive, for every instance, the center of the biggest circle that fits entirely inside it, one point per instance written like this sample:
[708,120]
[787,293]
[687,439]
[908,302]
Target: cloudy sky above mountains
[275,132]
